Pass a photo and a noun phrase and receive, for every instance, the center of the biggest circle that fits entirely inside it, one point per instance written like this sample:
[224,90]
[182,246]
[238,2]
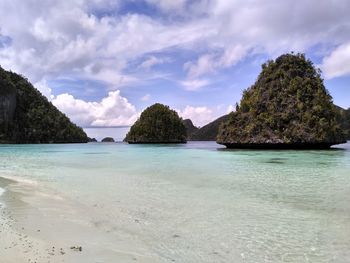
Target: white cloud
[230,109]
[337,63]
[113,110]
[44,89]
[203,65]
[210,63]
[59,38]
[146,97]
[194,84]
[199,115]
[152,61]
[168,5]
[232,55]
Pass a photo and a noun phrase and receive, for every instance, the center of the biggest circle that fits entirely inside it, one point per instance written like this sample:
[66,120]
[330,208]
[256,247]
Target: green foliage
[157,124]
[35,119]
[288,104]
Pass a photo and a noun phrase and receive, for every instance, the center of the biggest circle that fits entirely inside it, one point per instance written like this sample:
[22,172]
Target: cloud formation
[113,110]
[55,38]
[113,43]
[199,115]
[338,62]
[210,63]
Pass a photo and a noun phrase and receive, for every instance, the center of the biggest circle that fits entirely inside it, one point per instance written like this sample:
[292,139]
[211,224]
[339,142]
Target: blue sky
[103,61]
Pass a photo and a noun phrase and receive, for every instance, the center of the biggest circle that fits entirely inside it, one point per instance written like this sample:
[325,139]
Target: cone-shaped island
[288,107]
[157,124]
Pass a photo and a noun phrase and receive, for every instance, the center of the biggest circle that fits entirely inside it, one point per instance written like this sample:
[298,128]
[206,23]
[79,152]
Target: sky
[104,61]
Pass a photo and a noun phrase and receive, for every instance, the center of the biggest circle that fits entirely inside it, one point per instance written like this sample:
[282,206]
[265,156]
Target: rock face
[210,131]
[108,139]
[157,124]
[190,128]
[345,121]
[28,117]
[287,107]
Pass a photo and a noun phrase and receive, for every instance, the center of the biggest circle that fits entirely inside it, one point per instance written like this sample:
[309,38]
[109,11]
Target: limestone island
[288,107]
[108,139]
[157,124]
[26,116]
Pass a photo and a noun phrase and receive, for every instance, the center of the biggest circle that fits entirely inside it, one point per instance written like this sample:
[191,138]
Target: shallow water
[200,202]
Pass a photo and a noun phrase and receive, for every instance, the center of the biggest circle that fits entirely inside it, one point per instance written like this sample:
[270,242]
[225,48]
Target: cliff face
[26,116]
[287,107]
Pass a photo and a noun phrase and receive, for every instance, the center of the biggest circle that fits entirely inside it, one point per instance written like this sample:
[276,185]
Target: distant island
[208,132]
[287,107]
[108,139]
[190,128]
[157,124]
[26,116]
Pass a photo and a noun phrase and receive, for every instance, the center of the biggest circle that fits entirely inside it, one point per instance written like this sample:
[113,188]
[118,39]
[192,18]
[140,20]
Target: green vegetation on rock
[108,139]
[157,124]
[208,132]
[287,107]
[26,116]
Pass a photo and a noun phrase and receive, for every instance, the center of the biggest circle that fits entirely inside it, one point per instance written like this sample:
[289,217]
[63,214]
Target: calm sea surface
[198,202]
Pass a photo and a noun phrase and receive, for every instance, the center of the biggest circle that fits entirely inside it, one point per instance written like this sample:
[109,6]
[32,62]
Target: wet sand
[37,226]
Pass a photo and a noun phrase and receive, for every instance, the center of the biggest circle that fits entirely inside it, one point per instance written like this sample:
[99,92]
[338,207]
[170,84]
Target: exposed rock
[287,107]
[92,140]
[77,248]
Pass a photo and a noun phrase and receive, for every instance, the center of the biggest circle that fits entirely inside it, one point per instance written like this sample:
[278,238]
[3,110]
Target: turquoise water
[200,202]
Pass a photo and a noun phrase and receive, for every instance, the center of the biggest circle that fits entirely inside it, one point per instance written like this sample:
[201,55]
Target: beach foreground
[188,203]
[37,226]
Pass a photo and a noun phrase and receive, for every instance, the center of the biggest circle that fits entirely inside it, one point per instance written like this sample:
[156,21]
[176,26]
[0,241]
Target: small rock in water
[76,248]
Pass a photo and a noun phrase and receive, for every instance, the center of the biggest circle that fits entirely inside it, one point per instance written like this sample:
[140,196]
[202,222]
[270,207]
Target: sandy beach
[37,226]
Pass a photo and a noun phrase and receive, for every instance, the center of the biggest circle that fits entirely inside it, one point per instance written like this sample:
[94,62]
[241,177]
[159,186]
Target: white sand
[36,226]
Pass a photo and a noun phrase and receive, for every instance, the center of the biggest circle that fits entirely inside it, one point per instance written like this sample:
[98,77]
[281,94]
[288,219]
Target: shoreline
[38,227]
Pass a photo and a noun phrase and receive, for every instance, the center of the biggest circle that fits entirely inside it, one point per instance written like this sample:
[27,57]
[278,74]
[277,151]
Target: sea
[199,202]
